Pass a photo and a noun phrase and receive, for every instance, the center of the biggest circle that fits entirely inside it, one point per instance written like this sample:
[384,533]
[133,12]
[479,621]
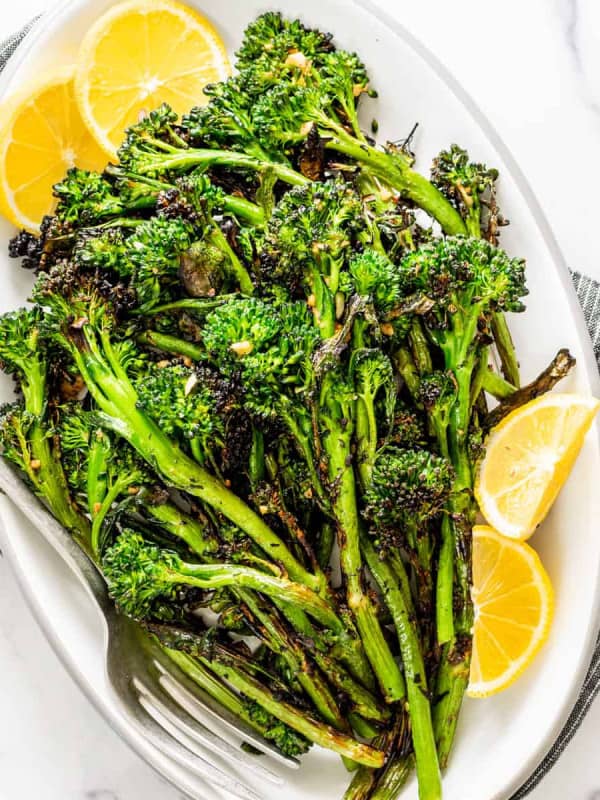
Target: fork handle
[58,537]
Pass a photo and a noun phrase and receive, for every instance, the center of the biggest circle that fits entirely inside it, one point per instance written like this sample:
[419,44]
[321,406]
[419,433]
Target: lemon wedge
[514,605]
[139,55]
[42,135]
[528,458]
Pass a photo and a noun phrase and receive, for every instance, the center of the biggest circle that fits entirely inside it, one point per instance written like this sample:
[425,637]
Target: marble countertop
[533,67]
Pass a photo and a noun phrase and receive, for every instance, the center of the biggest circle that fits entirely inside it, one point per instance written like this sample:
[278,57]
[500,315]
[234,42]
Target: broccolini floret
[175,398]
[226,121]
[102,250]
[309,237]
[407,487]
[373,275]
[154,252]
[283,737]
[26,433]
[139,573]
[438,392]
[85,197]
[467,185]
[273,36]
[465,278]
[271,344]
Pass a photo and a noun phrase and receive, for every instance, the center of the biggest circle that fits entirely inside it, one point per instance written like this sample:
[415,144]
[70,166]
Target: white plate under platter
[501,740]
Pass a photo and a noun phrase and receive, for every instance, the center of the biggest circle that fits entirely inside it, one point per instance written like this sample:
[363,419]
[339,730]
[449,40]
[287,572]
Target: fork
[167,716]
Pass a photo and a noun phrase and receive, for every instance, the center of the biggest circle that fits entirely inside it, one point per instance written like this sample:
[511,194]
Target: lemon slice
[528,459]
[42,134]
[514,605]
[141,54]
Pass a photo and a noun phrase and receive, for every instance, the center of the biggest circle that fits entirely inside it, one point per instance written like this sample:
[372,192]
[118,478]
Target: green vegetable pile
[253,382]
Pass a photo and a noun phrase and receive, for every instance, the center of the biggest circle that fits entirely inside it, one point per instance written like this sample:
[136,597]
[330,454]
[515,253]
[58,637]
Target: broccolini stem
[428,772]
[393,779]
[216,576]
[420,348]
[395,171]
[496,385]
[363,702]
[365,421]
[455,608]
[462,504]
[506,349]
[324,305]
[445,577]
[122,174]
[314,731]
[365,778]
[198,453]
[211,684]
[171,344]
[560,366]
[452,682]
[376,647]
[244,210]
[421,542]
[201,305]
[189,530]
[363,727]
[223,695]
[238,270]
[96,483]
[188,159]
[98,514]
[452,557]
[232,204]
[394,559]
[303,440]
[48,479]
[337,446]
[362,784]
[325,544]
[366,438]
[396,742]
[408,370]
[479,375]
[276,638]
[347,649]
[204,544]
[429,198]
[256,464]
[229,665]
[39,460]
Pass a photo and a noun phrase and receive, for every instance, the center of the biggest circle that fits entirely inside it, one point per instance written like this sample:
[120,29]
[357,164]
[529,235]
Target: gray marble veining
[580,20]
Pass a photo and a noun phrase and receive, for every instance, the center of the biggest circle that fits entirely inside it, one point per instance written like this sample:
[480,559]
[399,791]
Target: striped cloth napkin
[588,292]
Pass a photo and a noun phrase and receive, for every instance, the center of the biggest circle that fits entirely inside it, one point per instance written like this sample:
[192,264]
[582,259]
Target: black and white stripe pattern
[589,692]
[588,292]
[9,45]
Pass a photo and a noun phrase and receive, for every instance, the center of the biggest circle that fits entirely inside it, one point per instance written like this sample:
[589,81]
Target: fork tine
[199,761]
[196,730]
[185,693]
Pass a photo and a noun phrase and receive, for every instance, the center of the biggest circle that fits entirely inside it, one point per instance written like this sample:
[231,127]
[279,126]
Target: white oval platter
[501,740]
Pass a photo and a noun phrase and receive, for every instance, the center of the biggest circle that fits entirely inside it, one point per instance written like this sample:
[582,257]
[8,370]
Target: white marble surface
[533,67]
